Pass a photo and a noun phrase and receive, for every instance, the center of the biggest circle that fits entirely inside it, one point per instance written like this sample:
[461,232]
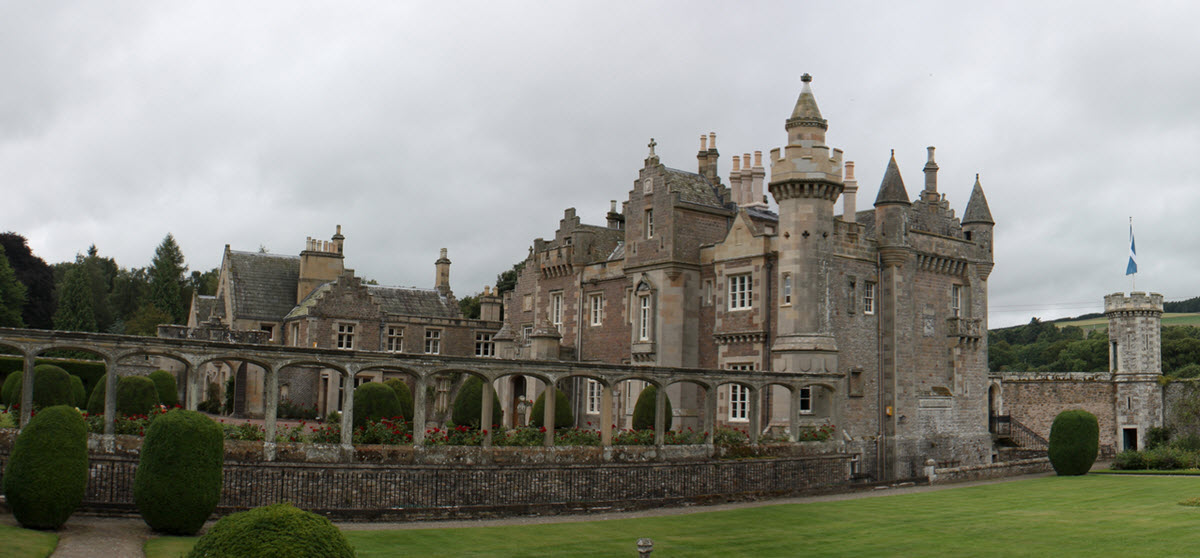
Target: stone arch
[180,366]
[690,398]
[517,391]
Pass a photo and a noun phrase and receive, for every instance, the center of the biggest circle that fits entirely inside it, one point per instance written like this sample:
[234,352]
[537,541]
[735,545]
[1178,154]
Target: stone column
[195,386]
[755,425]
[660,414]
[270,410]
[27,389]
[548,416]
[794,414]
[348,416]
[110,405]
[485,411]
[710,413]
[606,415]
[418,418]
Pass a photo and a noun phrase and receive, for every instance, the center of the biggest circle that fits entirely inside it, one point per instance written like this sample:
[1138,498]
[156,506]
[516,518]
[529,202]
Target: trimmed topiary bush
[136,395]
[164,383]
[51,386]
[643,410]
[403,394]
[1074,442]
[563,417]
[467,404]
[78,393]
[178,480]
[1129,460]
[95,403]
[47,471]
[373,401]
[278,530]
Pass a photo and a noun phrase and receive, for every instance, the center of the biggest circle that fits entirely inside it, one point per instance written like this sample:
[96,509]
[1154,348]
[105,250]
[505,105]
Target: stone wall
[1035,399]
[387,491]
[992,470]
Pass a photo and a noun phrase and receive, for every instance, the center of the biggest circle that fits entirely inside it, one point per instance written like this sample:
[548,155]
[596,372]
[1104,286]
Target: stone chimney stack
[747,196]
[489,305]
[931,169]
[735,181]
[711,155]
[615,220]
[320,262]
[755,188]
[442,282]
[850,194]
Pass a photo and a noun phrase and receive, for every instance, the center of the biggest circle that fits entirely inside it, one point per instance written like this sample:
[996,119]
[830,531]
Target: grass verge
[1091,515]
[26,543]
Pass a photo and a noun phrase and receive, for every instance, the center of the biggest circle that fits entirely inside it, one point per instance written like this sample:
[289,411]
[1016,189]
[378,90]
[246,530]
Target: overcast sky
[471,126]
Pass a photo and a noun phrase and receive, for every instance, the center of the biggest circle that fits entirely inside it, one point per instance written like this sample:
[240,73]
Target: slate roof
[204,307]
[618,253]
[977,208]
[263,285]
[891,190]
[692,188]
[411,301]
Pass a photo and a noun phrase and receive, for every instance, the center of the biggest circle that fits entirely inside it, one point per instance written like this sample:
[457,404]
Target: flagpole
[1132,276]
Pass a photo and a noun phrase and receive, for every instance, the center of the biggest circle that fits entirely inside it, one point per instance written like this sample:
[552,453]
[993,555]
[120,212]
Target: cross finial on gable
[651,146]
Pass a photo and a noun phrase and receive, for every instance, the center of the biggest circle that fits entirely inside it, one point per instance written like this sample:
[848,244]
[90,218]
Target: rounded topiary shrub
[643,410]
[78,393]
[51,386]
[1074,442]
[178,480]
[95,402]
[373,401]
[47,471]
[403,395]
[468,404]
[136,395]
[563,417]
[164,382]
[278,530]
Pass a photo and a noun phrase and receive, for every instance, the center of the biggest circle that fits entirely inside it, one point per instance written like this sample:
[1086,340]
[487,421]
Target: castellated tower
[1135,361]
[806,180]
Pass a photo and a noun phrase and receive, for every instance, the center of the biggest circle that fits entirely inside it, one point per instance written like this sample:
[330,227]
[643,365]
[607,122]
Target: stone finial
[806,78]
[651,146]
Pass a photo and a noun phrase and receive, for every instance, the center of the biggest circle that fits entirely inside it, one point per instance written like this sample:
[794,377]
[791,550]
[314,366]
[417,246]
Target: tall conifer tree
[75,302]
[167,279]
[12,295]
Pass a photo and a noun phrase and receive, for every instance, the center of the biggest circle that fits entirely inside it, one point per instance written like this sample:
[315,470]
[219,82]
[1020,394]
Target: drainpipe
[880,443]
[768,304]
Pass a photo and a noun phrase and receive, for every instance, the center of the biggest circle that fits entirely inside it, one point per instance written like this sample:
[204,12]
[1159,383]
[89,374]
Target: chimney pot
[758,158]
[849,170]
[703,142]
[712,140]
[737,163]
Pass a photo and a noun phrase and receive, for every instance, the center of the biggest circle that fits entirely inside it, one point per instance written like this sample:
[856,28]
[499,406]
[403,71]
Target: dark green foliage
[88,370]
[643,410]
[78,393]
[1187,442]
[403,394]
[275,531]
[37,277]
[1187,371]
[178,480]
[75,312]
[1074,442]
[47,471]
[145,321]
[1044,347]
[563,417]
[95,404]
[136,395]
[1129,460]
[230,390]
[373,401]
[12,295]
[164,383]
[507,280]
[467,405]
[1157,436]
[167,280]
[51,386]
[469,306]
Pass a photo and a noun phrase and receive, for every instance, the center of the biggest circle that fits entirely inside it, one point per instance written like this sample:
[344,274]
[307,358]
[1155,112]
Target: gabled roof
[891,190]
[977,208]
[692,188]
[411,301]
[263,285]
[204,307]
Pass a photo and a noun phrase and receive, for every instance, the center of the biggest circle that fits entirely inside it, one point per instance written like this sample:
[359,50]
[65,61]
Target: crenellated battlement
[1136,302]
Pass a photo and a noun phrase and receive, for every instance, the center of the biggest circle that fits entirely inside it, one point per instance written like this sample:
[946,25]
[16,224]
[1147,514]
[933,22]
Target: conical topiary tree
[1074,442]
[563,417]
[373,401]
[164,384]
[79,394]
[47,471]
[403,395]
[274,530]
[178,480]
[95,402]
[136,395]
[51,386]
[643,410]
[467,404]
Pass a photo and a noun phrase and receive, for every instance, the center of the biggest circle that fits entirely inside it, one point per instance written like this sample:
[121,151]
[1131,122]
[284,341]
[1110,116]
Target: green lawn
[1094,515]
[15,541]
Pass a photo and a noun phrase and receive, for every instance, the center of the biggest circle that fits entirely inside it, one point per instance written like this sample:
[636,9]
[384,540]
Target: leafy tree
[205,283]
[469,306]
[129,288]
[75,311]
[146,320]
[507,280]
[167,281]
[37,277]
[12,295]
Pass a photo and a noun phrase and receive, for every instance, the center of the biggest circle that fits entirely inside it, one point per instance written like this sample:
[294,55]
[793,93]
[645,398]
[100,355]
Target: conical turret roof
[806,112]
[891,190]
[977,208]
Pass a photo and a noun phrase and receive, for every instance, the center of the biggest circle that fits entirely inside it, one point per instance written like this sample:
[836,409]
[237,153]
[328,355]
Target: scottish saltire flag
[1132,267]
